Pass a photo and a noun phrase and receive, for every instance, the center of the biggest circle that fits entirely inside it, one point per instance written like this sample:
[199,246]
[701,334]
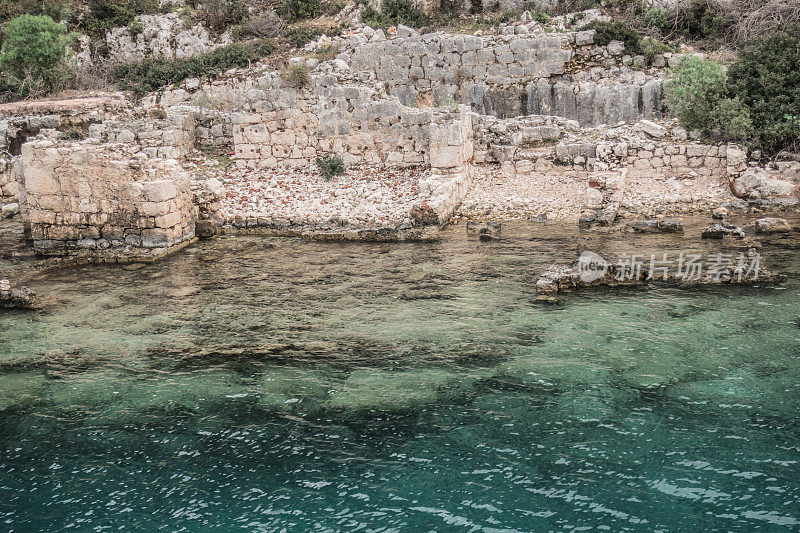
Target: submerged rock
[772,225]
[657,226]
[486,231]
[719,213]
[718,231]
[593,270]
[22,298]
[205,229]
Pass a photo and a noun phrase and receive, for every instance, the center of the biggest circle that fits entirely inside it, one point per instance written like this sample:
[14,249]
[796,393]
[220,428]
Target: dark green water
[398,387]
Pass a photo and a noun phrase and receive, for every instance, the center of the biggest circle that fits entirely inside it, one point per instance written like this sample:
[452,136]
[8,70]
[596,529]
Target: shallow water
[395,387]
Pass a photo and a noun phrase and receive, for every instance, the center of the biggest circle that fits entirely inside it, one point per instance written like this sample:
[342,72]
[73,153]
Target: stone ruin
[524,102]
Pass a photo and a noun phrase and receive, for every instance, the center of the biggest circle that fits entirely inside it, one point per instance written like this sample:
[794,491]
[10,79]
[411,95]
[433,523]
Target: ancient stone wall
[101,199]
[451,151]
[285,126]
[510,75]
[20,121]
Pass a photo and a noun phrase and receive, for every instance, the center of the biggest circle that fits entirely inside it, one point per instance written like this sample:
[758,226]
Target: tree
[34,54]
[766,77]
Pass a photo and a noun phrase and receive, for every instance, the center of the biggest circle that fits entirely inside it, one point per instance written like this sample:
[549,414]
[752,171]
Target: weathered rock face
[161,36]
[15,298]
[763,186]
[207,196]
[103,200]
[657,226]
[772,225]
[719,231]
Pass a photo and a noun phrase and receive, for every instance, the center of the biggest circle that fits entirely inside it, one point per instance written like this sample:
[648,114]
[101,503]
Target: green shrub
[703,19]
[326,52]
[395,12]
[296,75]
[55,9]
[298,37]
[151,74]
[652,48]
[261,47]
[334,7]
[106,14]
[135,28]
[693,91]
[656,17]
[294,10]
[732,119]
[767,79]
[605,32]
[217,15]
[539,16]
[330,165]
[34,54]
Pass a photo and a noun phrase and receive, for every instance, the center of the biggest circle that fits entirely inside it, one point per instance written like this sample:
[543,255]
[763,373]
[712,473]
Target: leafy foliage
[605,32]
[767,79]
[106,14]
[696,86]
[294,10]
[330,165]
[696,94]
[656,17]
[261,47]
[299,36]
[217,15]
[151,74]
[34,54]
[395,12]
[296,75]
[703,19]
[652,48]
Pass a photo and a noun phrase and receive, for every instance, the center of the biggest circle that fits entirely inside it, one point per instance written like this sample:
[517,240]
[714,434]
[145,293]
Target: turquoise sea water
[398,387]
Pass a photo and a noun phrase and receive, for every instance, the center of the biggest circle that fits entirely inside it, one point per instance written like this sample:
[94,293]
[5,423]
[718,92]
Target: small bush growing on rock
[395,12]
[656,17]
[327,52]
[696,94]
[330,165]
[296,75]
[652,48]
[217,15]
[135,28]
[605,32]
[298,37]
[695,88]
[261,47]
[701,20]
[33,58]
[334,7]
[767,79]
[294,10]
[151,74]
[268,25]
[106,14]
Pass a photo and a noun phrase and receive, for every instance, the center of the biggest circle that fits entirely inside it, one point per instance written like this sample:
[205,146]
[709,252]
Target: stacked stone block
[103,199]
[345,122]
[451,158]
